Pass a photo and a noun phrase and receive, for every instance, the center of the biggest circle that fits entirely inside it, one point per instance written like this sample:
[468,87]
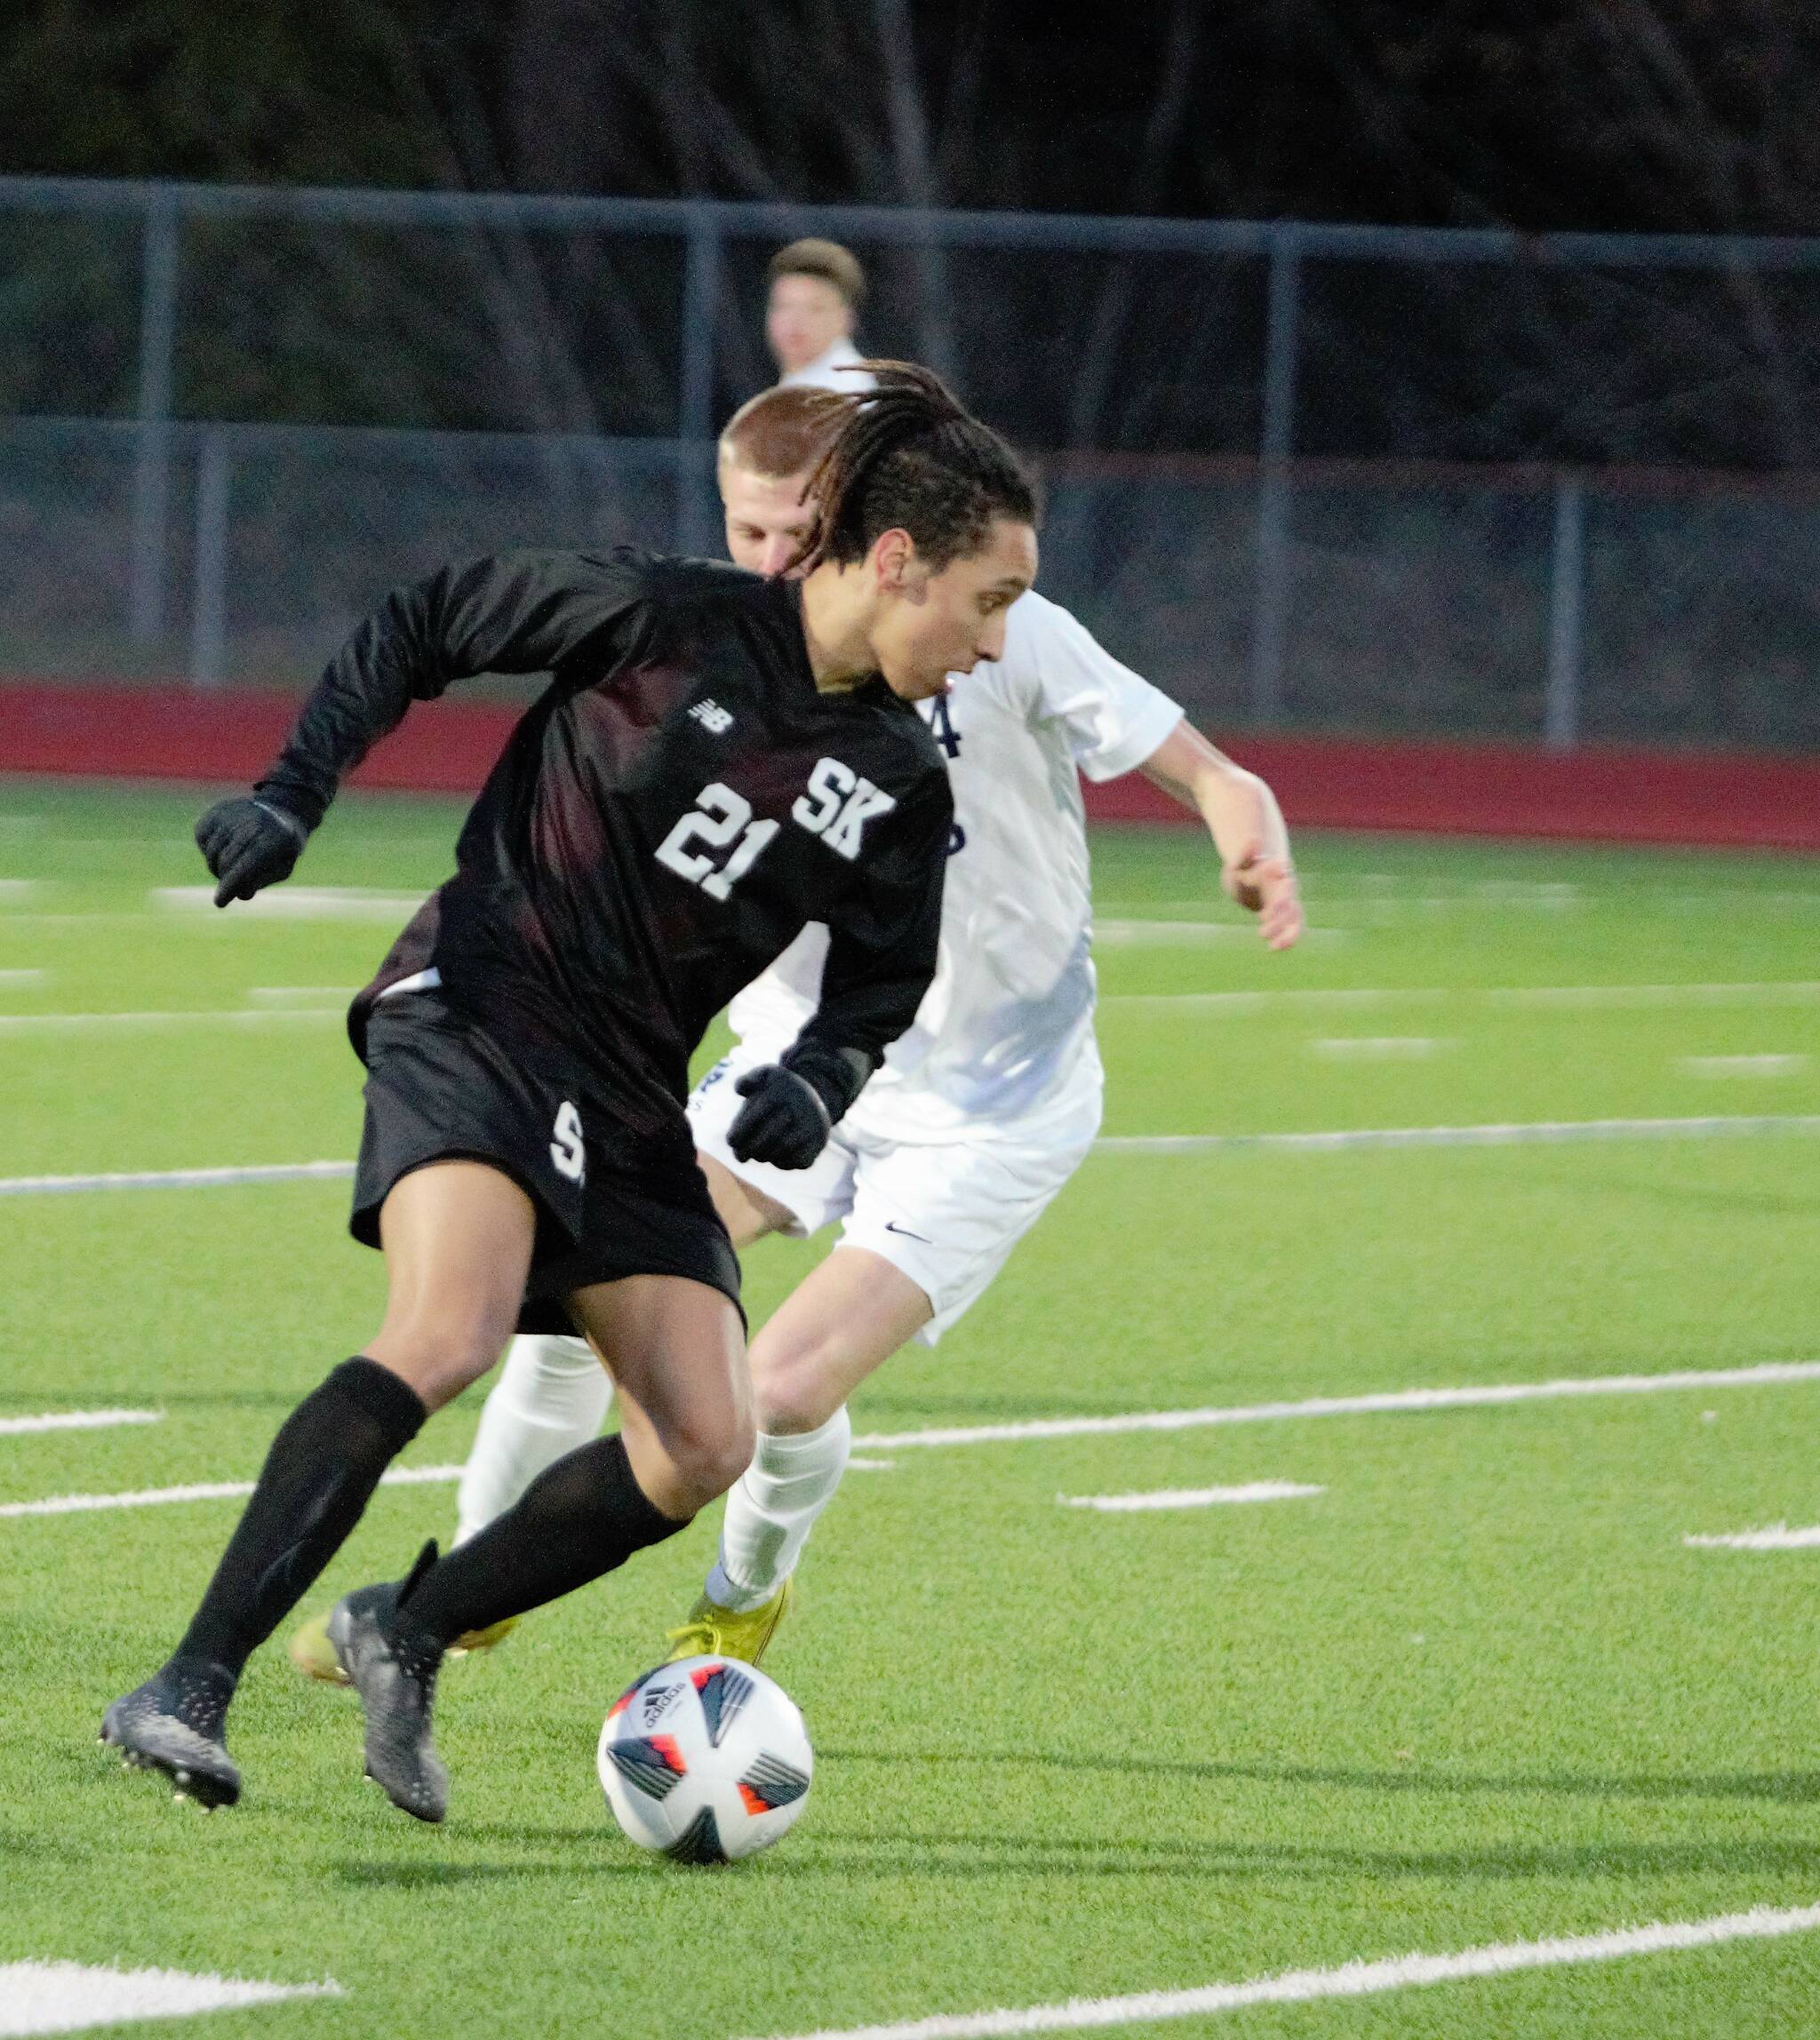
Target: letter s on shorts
[569,1150]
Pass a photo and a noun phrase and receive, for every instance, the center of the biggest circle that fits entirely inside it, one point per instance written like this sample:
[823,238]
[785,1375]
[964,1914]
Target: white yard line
[1545,1132]
[1803,991]
[177,1178]
[1772,1537]
[1191,1497]
[108,917]
[1350,1979]
[20,892]
[1593,997]
[1729,903]
[238,1016]
[203,1491]
[1238,1002]
[1493,1395]
[337,995]
[1166,933]
[293,903]
[1742,1065]
[1174,934]
[21,980]
[1377,1047]
[77,1420]
[1490,1395]
[74,1996]
[231,1490]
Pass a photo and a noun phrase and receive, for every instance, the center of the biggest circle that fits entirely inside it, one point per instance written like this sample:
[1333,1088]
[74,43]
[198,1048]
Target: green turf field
[1478,1691]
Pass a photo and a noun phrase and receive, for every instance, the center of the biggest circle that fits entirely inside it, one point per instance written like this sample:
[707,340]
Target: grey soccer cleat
[173,1723]
[396,1677]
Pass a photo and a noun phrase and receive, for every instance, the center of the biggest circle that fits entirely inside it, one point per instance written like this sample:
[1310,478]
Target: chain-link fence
[1328,477]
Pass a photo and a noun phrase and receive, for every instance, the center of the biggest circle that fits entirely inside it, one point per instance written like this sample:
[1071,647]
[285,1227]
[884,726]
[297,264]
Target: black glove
[782,1121]
[249,844]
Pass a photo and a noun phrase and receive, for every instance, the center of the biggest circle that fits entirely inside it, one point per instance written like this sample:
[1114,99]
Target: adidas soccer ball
[704,1760]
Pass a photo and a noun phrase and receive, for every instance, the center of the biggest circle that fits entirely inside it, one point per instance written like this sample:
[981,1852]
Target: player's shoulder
[679,581]
[1037,628]
[910,740]
[1042,640]
[684,602]
[1059,667]
[886,741]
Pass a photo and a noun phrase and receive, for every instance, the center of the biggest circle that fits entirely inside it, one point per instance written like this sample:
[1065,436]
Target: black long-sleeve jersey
[663,821]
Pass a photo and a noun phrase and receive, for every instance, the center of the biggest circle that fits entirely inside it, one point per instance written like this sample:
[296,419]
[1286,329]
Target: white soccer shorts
[946,1213]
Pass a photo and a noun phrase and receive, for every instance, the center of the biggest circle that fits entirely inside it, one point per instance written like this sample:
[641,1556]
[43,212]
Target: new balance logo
[712,717]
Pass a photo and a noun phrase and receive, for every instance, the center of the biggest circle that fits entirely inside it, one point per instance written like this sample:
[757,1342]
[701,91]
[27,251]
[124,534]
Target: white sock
[773,1508]
[552,1395]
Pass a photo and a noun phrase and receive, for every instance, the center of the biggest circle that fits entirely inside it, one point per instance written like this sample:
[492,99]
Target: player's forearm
[884,946]
[1238,808]
[844,1039]
[365,690]
[514,613]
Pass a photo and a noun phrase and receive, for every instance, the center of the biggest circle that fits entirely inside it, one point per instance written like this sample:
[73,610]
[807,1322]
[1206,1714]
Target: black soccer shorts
[443,1087]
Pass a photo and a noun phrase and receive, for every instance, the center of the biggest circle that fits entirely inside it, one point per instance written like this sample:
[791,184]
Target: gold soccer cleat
[714,1631]
[314,1655]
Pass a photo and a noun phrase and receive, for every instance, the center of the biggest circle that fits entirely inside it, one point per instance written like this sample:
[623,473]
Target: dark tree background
[1681,115]
[1673,117]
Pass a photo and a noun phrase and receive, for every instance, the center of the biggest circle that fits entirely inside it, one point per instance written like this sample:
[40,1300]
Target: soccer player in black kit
[717,760]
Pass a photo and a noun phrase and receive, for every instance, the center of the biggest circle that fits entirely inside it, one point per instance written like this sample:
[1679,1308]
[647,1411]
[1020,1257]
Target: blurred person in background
[817,288]
[982,1112]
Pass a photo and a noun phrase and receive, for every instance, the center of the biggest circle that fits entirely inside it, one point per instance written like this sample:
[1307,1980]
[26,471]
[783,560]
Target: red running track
[1610,793]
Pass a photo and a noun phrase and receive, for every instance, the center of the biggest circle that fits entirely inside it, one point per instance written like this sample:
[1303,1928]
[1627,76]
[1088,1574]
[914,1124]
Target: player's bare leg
[677,1352]
[552,1393]
[457,1239]
[550,1399]
[678,1349]
[844,1320]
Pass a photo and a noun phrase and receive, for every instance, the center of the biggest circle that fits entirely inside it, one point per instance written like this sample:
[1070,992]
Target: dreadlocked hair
[912,456]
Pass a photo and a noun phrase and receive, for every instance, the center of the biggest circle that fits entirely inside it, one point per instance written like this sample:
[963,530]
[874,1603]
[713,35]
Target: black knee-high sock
[323,1465]
[578,1519]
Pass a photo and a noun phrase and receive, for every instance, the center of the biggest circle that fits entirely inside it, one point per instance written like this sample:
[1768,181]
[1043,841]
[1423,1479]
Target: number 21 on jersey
[720,815]
[837,806]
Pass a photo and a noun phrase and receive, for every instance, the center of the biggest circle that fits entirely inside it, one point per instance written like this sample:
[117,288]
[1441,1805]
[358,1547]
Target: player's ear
[893,557]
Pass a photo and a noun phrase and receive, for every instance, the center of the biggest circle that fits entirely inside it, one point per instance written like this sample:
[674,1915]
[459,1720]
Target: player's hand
[249,844]
[1266,886]
[782,1121]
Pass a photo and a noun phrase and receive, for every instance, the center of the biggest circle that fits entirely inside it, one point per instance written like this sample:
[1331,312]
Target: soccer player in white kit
[980,1114]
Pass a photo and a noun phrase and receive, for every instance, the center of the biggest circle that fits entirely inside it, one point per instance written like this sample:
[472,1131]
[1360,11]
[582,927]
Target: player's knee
[440,1358]
[710,1459]
[791,1392]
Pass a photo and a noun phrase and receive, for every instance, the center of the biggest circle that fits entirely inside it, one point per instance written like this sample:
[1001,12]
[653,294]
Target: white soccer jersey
[830,370]
[1004,1036]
